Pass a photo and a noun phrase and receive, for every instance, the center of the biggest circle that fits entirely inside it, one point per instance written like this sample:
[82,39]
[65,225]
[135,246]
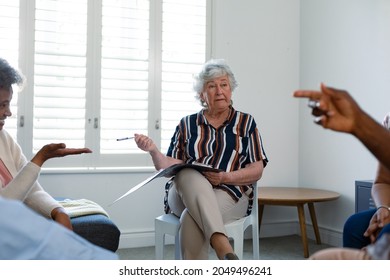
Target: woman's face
[5,102]
[217,93]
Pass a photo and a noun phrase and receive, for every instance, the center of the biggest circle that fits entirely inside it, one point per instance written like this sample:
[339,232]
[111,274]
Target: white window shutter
[60,72]
[183,52]
[124,74]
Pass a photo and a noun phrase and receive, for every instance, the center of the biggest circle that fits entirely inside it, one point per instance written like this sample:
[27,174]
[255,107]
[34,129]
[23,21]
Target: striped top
[230,147]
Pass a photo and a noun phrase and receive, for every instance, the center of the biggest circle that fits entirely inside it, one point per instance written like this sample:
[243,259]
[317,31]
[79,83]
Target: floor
[272,248]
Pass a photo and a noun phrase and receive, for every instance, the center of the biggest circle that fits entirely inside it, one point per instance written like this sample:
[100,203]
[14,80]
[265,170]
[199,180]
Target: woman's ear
[203,96]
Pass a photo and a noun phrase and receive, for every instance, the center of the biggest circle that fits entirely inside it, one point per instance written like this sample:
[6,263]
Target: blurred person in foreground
[26,235]
[12,159]
[366,234]
[33,225]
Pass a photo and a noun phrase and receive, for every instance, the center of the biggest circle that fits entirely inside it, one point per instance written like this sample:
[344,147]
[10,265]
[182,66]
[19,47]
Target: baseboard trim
[328,236]
[136,239]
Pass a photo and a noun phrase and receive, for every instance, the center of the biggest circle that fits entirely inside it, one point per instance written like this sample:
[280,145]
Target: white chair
[166,224]
[170,224]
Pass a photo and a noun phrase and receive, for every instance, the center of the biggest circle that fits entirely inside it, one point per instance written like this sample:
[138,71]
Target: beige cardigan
[25,186]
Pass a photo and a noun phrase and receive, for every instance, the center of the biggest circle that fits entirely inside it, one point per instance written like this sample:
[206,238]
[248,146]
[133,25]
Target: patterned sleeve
[256,147]
[175,149]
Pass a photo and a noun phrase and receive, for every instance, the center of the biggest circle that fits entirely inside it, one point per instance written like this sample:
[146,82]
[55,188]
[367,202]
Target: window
[106,70]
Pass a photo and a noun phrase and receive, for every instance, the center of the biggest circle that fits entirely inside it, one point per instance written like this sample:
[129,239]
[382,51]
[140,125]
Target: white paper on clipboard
[169,172]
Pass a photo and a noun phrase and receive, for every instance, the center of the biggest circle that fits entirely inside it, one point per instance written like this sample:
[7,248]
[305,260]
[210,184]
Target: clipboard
[169,172]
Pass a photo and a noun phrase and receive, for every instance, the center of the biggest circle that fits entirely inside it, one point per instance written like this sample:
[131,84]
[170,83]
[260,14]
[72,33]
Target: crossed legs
[203,211]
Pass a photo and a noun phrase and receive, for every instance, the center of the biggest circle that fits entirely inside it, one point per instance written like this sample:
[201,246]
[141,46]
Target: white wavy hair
[212,69]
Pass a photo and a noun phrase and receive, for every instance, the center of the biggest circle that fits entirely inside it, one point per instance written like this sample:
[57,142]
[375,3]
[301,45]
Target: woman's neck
[217,118]
[218,114]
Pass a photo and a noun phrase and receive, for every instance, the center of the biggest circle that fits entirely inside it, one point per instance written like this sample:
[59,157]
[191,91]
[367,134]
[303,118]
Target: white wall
[275,47]
[260,41]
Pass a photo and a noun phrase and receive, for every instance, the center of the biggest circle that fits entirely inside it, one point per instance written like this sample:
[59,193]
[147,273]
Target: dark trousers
[355,227]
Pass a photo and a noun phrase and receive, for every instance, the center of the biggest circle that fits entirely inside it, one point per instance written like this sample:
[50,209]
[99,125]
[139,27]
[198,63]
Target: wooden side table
[286,196]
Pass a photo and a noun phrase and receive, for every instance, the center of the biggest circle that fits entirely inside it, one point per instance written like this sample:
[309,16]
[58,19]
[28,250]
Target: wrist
[362,124]
[384,207]
[154,152]
[37,160]
[57,211]
[227,177]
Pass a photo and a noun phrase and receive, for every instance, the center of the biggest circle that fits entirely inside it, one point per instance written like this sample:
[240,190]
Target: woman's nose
[8,112]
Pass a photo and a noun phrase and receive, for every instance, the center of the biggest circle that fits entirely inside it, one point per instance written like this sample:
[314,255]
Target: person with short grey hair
[213,68]
[223,138]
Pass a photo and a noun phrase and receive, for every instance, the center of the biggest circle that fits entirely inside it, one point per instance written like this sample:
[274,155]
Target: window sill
[95,170]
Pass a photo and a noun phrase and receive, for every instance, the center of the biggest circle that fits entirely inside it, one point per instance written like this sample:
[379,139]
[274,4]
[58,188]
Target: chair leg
[255,241]
[159,246]
[177,248]
[239,244]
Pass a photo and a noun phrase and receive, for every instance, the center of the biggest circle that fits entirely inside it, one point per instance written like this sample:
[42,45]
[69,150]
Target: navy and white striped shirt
[230,147]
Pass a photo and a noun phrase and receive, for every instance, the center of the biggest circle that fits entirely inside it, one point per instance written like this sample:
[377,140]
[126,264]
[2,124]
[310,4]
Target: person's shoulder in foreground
[26,235]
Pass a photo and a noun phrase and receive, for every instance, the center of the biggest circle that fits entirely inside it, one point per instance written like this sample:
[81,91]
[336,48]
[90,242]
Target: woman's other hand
[56,150]
[215,178]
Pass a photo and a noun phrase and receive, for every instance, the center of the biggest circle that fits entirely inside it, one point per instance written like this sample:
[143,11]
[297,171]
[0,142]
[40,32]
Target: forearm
[375,137]
[161,161]
[20,186]
[245,176]
[381,195]
[380,191]
[41,201]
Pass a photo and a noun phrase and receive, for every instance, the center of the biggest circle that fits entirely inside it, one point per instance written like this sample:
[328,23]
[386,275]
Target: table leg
[314,222]
[302,223]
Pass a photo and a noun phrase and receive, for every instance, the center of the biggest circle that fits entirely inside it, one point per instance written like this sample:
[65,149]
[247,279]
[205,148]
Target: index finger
[77,150]
[313,94]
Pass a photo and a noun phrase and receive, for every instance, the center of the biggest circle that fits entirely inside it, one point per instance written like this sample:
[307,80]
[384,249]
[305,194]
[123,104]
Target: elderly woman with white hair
[221,137]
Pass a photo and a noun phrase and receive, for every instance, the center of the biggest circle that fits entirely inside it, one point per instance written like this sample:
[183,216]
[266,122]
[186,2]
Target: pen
[125,138]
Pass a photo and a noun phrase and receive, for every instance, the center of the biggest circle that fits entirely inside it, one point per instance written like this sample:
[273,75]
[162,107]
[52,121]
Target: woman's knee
[184,175]
[359,220]
[190,176]
[354,228]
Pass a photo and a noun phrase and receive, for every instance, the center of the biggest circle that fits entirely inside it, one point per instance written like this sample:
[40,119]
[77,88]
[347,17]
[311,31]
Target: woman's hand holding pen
[159,159]
[145,143]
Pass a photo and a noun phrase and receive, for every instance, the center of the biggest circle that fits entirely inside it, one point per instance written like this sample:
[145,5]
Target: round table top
[294,195]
